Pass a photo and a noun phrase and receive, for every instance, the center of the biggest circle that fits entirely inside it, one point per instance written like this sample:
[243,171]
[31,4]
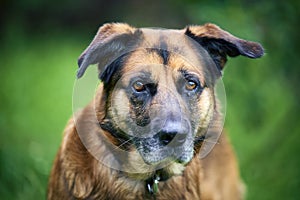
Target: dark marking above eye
[162,49]
[163,53]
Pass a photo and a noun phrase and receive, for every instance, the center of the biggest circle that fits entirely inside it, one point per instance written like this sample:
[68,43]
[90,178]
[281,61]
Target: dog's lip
[181,161]
[177,155]
[158,163]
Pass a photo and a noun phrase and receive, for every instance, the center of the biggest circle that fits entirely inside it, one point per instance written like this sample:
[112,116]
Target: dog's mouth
[165,148]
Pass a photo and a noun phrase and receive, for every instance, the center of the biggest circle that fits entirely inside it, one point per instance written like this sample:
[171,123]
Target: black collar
[123,139]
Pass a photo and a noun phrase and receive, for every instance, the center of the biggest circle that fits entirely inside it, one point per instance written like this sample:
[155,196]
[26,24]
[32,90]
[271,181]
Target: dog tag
[152,185]
[155,186]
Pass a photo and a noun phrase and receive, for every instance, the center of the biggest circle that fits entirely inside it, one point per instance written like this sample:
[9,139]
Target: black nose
[173,138]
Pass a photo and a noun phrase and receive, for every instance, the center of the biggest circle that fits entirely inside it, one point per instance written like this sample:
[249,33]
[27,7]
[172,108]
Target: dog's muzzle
[173,142]
[174,133]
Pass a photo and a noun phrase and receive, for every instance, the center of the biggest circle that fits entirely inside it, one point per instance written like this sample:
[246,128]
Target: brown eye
[139,86]
[190,85]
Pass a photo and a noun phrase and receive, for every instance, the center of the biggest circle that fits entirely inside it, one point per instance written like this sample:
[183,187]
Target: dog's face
[158,86]
[160,102]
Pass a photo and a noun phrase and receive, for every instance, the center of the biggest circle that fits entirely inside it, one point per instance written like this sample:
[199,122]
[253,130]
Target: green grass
[37,77]
[261,121]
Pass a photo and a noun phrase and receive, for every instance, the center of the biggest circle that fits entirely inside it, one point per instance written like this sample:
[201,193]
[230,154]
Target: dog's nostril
[167,137]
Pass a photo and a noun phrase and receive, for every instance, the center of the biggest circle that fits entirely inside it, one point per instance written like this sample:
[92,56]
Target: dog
[154,109]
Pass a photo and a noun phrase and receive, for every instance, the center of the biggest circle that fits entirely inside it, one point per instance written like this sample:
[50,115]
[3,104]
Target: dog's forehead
[175,42]
[155,35]
[167,39]
[167,47]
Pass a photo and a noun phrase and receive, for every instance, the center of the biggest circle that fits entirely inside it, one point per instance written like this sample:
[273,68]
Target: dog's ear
[110,42]
[221,44]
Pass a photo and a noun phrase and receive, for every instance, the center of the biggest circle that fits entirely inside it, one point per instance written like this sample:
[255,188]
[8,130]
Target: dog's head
[158,86]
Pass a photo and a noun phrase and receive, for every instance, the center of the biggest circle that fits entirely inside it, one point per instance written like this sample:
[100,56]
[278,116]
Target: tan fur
[78,171]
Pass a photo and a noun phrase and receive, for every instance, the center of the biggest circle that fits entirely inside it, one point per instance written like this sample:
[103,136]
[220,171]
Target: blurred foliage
[40,43]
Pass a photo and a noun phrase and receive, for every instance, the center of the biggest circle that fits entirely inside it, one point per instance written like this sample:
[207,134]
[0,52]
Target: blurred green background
[40,44]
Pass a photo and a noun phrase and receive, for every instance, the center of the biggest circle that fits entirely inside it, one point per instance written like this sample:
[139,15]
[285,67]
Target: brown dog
[154,109]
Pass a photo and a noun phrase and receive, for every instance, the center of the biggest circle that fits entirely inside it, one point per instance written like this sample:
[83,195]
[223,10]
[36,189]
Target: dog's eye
[138,86]
[190,85]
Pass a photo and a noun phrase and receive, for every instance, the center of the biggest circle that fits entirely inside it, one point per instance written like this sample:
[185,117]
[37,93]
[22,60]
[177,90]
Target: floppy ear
[221,44]
[110,42]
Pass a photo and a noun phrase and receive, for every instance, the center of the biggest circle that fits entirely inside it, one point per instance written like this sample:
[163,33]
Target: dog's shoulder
[73,166]
[220,168]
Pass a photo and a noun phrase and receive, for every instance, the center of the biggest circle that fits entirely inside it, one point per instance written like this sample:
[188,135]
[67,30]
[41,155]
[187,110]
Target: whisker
[210,141]
[125,142]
